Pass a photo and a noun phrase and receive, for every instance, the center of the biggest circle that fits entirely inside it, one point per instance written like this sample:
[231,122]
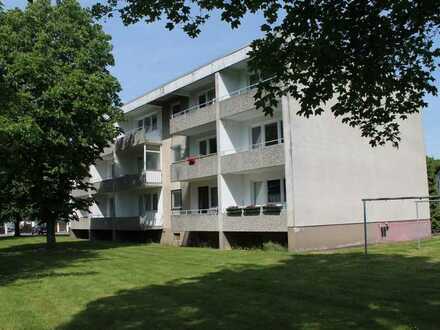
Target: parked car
[39,230]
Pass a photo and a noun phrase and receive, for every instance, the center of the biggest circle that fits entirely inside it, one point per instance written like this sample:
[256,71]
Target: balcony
[267,154]
[136,137]
[195,116]
[239,101]
[194,168]
[129,181]
[257,221]
[135,223]
[194,220]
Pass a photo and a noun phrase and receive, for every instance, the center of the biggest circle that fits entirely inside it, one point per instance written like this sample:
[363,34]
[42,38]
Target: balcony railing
[211,211]
[256,210]
[193,108]
[240,91]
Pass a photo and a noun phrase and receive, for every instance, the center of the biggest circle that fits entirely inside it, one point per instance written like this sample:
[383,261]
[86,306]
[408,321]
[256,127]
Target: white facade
[222,152]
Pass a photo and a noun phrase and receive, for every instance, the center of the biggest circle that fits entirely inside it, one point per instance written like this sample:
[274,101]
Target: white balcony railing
[152,177]
[189,159]
[211,211]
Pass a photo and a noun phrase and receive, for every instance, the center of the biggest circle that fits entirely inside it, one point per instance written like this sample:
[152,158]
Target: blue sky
[149,55]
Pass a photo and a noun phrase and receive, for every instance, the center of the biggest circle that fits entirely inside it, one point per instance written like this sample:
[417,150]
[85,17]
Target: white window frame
[208,148]
[205,93]
[210,186]
[156,113]
[263,132]
[145,159]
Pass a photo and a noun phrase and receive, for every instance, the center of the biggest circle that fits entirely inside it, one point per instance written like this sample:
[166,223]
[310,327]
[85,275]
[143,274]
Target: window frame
[263,142]
[173,199]
[208,146]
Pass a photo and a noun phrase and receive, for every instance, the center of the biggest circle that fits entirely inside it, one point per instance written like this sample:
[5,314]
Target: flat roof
[199,73]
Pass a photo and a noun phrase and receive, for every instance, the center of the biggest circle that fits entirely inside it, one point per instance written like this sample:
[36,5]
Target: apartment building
[199,164]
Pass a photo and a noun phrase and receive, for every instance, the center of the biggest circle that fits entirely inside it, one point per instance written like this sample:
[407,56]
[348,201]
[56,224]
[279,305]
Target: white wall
[101,171]
[237,188]
[235,136]
[231,80]
[194,202]
[334,168]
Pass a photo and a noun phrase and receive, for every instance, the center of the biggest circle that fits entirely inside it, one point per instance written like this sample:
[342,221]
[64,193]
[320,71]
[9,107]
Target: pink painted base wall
[404,230]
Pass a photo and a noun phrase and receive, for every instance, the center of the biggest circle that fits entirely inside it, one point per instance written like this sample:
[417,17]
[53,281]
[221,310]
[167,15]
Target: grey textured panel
[194,222]
[237,104]
[253,159]
[258,223]
[117,223]
[202,167]
[193,119]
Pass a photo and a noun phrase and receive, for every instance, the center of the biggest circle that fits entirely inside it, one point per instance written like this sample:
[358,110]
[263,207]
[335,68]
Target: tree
[59,105]
[433,169]
[374,58]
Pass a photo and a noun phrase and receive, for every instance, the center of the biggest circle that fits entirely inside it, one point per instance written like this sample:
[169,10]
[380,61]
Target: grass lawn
[104,285]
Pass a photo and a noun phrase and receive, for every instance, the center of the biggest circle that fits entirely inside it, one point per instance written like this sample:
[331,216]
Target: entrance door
[203,198]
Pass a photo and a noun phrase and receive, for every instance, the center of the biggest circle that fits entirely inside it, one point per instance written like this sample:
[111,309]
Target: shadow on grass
[325,291]
[26,258]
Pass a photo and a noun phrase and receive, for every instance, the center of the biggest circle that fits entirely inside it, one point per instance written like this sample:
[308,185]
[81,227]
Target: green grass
[104,285]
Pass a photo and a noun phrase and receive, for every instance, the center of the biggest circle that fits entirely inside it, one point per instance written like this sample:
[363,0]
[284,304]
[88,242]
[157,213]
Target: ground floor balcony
[257,219]
[195,220]
[135,223]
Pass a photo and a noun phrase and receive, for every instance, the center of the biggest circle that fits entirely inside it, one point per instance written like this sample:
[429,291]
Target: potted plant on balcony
[252,210]
[272,209]
[191,160]
[234,211]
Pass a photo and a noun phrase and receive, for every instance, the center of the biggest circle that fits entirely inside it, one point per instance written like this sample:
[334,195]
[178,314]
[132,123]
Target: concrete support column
[223,243]
[91,235]
[288,120]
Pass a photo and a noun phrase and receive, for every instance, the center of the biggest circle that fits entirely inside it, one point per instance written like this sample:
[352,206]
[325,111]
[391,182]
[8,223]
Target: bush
[272,246]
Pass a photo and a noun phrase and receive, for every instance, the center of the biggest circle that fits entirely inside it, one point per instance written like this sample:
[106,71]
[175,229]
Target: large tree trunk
[17,228]
[51,240]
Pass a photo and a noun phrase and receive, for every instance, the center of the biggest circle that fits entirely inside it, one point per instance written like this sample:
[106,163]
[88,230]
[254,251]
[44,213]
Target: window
[155,202]
[257,191]
[254,79]
[152,161]
[256,137]
[176,199]
[271,134]
[206,98]
[148,123]
[274,191]
[151,202]
[112,207]
[284,190]
[203,147]
[212,145]
[208,146]
[141,206]
[176,108]
[140,165]
[214,197]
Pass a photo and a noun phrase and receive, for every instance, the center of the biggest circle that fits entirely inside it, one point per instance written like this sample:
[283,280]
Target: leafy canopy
[434,170]
[371,61]
[58,103]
